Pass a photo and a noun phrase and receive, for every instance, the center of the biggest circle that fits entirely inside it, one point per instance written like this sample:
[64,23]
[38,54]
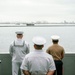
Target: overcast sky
[37,10]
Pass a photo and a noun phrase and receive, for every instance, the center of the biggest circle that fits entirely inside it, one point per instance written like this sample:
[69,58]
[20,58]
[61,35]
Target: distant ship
[29,24]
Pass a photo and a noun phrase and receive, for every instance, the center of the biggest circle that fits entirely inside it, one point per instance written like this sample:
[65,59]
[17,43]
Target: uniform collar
[38,50]
[55,44]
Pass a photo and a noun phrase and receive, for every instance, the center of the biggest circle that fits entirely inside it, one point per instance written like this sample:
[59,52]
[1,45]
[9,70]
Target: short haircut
[39,46]
[55,41]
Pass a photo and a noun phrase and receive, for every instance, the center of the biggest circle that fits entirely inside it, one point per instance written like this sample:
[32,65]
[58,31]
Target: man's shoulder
[50,46]
[61,46]
[43,55]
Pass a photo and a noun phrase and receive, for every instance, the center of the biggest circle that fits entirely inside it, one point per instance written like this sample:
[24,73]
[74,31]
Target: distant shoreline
[38,25]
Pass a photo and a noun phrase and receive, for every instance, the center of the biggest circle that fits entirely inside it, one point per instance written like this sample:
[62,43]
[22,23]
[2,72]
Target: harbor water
[66,33]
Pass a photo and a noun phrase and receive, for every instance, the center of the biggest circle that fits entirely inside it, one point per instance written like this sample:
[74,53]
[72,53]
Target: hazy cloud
[34,10]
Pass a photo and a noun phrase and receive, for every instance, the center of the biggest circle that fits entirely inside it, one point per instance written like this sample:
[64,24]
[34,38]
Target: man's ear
[42,46]
[34,46]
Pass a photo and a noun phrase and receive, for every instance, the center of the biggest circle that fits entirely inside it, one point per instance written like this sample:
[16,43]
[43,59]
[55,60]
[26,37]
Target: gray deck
[69,64]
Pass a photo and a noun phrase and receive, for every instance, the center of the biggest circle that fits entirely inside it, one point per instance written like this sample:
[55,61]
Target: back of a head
[55,38]
[19,34]
[39,41]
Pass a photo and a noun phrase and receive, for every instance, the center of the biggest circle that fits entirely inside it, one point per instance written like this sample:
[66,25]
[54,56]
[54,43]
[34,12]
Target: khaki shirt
[56,51]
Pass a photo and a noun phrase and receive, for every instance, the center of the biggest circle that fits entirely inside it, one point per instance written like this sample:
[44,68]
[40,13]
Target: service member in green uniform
[57,52]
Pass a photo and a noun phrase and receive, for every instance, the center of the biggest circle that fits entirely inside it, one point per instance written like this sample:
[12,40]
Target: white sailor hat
[39,40]
[19,32]
[55,37]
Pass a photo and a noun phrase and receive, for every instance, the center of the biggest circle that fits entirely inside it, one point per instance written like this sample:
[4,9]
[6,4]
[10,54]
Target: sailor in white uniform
[18,49]
[38,62]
